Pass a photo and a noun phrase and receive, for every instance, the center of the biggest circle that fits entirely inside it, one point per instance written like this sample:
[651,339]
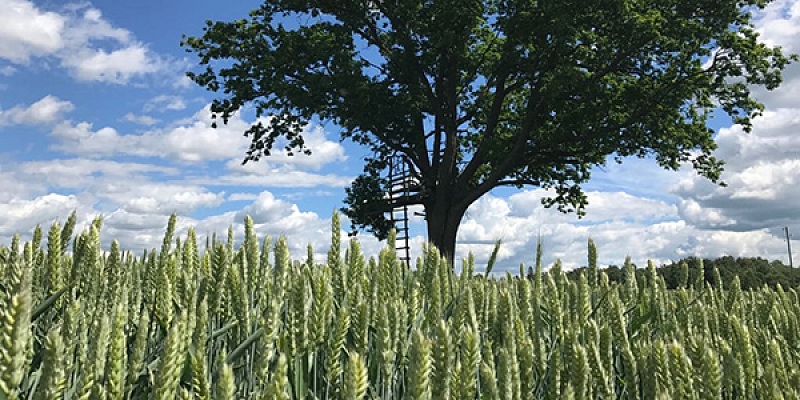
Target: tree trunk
[443,221]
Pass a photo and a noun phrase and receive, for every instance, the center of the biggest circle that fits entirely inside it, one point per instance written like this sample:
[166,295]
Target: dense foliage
[752,273]
[249,323]
[479,94]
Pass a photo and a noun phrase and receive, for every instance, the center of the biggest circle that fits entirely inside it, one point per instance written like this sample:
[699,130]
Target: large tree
[477,95]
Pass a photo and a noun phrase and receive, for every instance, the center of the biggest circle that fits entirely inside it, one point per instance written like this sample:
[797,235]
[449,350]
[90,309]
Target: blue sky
[96,115]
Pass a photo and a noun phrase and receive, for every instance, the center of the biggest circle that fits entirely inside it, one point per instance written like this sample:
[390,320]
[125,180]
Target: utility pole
[788,244]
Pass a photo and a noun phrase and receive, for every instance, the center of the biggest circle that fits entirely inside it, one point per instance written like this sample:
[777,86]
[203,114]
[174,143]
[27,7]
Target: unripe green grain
[711,375]
[682,375]
[117,355]
[553,383]
[53,277]
[138,351]
[93,365]
[443,357]
[580,372]
[504,375]
[278,388]
[355,382]
[660,369]
[333,351]
[200,385]
[321,308]
[15,331]
[488,388]
[360,327]
[53,381]
[172,361]
[470,362]
[225,386]
[419,369]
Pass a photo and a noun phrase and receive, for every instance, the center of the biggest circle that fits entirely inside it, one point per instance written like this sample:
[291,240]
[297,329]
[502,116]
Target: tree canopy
[477,95]
[752,272]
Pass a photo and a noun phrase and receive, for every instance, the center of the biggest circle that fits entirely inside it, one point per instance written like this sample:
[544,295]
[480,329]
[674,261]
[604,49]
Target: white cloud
[117,66]
[263,173]
[178,201]
[45,111]
[761,173]
[620,224]
[26,31]
[761,167]
[266,208]
[85,174]
[7,70]
[86,24]
[16,187]
[135,193]
[194,140]
[779,24]
[323,151]
[21,216]
[614,220]
[140,119]
[272,217]
[79,38]
[183,82]
[165,102]
[134,198]
[242,197]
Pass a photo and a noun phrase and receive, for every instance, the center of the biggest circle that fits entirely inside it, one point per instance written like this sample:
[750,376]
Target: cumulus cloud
[135,199]
[761,167]
[16,187]
[132,188]
[26,31]
[21,216]
[140,119]
[614,219]
[620,224]
[83,173]
[761,173]
[242,196]
[263,173]
[323,151]
[779,24]
[191,141]
[79,39]
[117,66]
[45,111]
[165,102]
[194,140]
[183,200]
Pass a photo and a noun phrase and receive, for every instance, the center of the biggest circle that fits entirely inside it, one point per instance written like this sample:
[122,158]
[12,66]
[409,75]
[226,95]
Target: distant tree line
[753,273]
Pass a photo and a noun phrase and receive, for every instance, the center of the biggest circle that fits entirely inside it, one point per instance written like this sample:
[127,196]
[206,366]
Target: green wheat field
[79,322]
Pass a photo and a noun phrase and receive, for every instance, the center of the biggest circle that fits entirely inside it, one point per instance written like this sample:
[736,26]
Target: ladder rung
[401,179]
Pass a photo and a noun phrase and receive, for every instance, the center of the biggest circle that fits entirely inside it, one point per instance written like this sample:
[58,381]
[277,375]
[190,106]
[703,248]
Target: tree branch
[517,182]
[494,116]
[420,158]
